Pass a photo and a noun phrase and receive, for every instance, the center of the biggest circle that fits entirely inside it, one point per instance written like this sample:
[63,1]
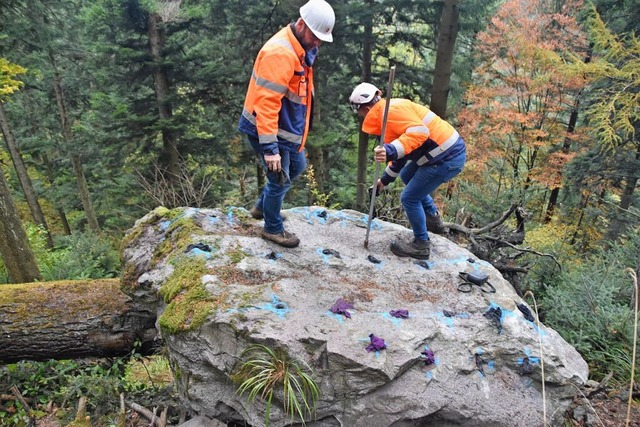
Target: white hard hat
[319,17]
[363,93]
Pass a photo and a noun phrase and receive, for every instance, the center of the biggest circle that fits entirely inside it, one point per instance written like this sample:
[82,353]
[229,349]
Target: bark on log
[70,320]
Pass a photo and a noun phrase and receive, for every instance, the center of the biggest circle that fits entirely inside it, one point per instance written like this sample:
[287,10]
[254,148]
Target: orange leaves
[523,92]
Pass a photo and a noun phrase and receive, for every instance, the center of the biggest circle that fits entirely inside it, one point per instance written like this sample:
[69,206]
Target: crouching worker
[420,147]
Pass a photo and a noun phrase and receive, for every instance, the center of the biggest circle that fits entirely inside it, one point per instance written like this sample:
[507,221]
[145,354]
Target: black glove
[282,177]
[375,211]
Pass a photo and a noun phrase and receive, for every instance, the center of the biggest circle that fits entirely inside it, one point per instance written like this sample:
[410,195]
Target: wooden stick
[142,410]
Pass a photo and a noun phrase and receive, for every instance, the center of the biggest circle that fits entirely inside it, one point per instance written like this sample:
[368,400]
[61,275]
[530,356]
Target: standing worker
[278,107]
[422,148]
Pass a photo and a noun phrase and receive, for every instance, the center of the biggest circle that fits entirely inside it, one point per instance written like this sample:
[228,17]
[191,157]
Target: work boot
[435,224]
[257,213]
[418,249]
[286,239]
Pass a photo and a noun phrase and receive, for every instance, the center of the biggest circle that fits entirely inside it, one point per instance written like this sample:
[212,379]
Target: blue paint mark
[532,360]
[445,319]
[277,254]
[214,220]
[230,216]
[487,366]
[424,265]
[338,317]
[325,257]
[164,225]
[189,212]
[306,213]
[504,311]
[276,306]
[537,329]
[375,225]
[368,341]
[200,252]
[396,321]
[429,376]
[436,359]
[475,265]
[321,219]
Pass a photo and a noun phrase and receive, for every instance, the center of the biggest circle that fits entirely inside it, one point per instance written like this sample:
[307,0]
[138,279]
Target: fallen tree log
[71,320]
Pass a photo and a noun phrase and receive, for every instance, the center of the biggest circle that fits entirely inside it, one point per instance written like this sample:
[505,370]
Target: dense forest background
[111,108]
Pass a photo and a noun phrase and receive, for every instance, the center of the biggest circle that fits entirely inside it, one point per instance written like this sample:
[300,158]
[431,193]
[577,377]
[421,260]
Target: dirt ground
[607,408]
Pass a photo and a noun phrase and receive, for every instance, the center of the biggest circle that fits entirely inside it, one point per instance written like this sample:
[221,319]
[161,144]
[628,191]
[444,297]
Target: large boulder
[219,288]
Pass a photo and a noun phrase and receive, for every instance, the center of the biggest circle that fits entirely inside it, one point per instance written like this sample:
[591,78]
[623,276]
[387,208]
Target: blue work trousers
[420,182]
[271,197]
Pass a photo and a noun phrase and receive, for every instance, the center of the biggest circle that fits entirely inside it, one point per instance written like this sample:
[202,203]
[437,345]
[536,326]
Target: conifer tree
[14,245]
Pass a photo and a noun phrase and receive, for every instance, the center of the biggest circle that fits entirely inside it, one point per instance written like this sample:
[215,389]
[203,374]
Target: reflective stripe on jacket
[413,132]
[277,107]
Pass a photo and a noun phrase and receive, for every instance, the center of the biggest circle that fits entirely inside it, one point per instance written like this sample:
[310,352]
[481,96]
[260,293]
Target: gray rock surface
[281,298]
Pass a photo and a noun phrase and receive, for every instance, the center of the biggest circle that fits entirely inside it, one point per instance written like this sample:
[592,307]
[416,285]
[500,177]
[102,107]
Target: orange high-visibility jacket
[413,132]
[277,107]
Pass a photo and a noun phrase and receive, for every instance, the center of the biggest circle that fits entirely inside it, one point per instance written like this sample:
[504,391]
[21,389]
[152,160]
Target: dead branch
[27,408]
[490,226]
[531,251]
[151,416]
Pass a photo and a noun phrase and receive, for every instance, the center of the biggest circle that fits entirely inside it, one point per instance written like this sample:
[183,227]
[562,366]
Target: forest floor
[610,411]
[610,408]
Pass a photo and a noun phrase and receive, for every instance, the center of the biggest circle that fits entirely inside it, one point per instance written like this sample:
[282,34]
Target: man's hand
[380,154]
[273,162]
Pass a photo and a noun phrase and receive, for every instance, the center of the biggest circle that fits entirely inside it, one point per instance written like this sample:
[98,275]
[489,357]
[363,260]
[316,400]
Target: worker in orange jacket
[277,110]
[421,148]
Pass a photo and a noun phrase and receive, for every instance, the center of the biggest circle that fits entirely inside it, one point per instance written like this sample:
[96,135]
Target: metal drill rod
[392,74]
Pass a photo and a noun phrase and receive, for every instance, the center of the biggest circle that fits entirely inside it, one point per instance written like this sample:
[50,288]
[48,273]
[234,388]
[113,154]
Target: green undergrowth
[59,384]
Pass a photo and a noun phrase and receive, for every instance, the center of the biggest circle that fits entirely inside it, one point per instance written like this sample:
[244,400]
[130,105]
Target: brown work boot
[257,213]
[419,249]
[435,224]
[286,239]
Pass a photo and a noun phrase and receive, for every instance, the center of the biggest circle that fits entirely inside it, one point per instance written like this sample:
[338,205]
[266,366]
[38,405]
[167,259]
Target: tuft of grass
[265,372]
[634,276]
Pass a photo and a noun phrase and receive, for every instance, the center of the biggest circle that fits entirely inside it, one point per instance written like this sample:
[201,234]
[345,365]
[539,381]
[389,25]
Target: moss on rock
[189,303]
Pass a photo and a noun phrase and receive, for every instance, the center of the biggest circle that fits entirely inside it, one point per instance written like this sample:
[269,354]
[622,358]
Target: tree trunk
[620,220]
[363,138]
[316,158]
[163,92]
[70,320]
[553,198]
[23,176]
[14,246]
[83,189]
[51,179]
[49,176]
[448,33]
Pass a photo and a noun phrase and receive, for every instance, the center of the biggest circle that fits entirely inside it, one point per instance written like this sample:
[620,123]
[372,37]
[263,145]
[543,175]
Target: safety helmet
[320,18]
[363,94]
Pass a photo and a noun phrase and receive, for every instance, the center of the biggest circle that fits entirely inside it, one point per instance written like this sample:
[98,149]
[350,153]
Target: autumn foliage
[517,109]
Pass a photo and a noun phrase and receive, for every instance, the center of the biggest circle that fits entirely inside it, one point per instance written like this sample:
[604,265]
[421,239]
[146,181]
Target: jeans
[420,182]
[271,197]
